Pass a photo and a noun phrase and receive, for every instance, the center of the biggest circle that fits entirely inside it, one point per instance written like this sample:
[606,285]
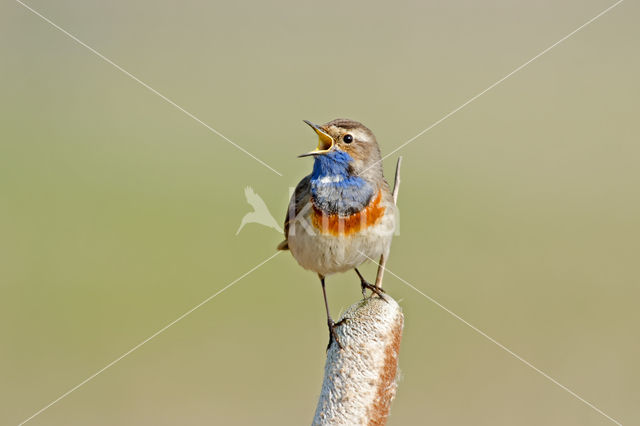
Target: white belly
[327,254]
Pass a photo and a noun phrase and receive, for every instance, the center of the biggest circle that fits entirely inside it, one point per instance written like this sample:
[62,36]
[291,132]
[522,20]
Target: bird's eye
[347,138]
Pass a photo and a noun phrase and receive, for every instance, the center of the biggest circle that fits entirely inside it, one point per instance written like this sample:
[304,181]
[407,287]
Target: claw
[377,290]
[333,335]
[364,285]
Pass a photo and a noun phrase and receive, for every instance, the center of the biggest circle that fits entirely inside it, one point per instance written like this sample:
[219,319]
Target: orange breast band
[347,225]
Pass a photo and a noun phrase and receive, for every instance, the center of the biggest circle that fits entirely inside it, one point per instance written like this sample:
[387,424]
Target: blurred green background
[118,212]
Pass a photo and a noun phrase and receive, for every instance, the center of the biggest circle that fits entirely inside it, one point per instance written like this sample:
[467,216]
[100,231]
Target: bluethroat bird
[343,213]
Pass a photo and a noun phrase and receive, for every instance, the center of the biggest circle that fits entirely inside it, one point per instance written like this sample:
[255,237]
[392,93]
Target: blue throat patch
[334,189]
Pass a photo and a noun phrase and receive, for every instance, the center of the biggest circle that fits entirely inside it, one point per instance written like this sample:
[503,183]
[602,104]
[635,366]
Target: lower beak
[325,142]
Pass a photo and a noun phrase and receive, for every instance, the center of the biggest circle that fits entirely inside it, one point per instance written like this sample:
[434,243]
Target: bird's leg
[332,325]
[365,285]
[381,266]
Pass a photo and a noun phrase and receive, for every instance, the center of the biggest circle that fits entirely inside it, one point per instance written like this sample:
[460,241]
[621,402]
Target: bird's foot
[377,290]
[333,335]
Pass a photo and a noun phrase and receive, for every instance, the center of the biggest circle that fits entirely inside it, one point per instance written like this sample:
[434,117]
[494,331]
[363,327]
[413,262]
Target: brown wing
[299,199]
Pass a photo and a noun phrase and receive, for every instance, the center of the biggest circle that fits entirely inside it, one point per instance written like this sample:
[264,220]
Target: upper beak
[325,142]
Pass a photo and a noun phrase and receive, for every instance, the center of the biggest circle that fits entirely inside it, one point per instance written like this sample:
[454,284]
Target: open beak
[325,142]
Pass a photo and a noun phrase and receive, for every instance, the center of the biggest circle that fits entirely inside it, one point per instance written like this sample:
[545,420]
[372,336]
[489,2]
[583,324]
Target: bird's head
[343,136]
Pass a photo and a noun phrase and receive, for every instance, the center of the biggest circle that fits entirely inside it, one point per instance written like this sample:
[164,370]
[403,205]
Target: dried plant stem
[360,379]
[383,259]
[396,182]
